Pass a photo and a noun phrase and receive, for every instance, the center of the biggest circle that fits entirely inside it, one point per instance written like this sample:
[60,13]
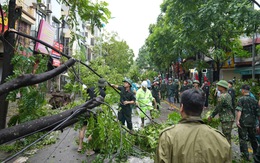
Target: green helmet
[128,81]
[196,81]
[223,83]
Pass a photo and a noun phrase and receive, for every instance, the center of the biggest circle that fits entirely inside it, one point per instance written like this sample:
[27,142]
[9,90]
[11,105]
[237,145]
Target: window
[24,28]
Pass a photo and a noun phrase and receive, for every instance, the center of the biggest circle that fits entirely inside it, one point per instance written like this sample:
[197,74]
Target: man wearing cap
[191,140]
[224,109]
[144,100]
[127,98]
[92,92]
[232,93]
[247,113]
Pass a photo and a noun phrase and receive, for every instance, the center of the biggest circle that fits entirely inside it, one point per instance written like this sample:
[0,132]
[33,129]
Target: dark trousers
[244,133]
[176,98]
[125,115]
[206,101]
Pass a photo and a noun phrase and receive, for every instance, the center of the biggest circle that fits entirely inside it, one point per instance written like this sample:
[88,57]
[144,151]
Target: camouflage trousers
[226,130]
[244,134]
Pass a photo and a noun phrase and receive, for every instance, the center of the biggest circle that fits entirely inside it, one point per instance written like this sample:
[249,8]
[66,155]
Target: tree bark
[31,79]
[9,43]
[49,122]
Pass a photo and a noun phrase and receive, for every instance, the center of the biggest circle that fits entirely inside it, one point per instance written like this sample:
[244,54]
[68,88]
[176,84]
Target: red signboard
[45,33]
[57,46]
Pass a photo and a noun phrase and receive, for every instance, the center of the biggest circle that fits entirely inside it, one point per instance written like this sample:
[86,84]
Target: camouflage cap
[223,83]
[196,81]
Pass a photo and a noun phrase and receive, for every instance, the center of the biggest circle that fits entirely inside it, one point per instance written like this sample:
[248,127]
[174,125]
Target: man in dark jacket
[127,98]
[92,92]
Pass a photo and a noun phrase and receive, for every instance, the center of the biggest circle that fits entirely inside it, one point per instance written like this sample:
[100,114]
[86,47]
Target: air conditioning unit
[49,8]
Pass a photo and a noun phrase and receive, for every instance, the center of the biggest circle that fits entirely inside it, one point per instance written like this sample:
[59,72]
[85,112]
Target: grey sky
[131,19]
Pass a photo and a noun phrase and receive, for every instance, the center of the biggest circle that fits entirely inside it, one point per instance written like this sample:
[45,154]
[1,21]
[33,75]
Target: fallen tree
[31,79]
[49,122]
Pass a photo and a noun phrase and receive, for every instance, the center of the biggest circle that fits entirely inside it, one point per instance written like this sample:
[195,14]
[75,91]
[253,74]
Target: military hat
[128,81]
[245,87]
[223,83]
[196,81]
[102,82]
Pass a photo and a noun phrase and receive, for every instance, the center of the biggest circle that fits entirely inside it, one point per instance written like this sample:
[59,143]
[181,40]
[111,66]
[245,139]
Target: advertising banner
[46,33]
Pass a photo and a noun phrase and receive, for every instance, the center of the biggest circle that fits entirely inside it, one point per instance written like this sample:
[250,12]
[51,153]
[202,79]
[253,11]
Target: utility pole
[9,43]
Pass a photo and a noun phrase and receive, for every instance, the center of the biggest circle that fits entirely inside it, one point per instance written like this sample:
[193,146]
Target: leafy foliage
[32,98]
[203,28]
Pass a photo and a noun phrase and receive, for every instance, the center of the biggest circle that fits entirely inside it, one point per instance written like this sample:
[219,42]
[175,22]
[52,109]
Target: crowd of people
[191,137]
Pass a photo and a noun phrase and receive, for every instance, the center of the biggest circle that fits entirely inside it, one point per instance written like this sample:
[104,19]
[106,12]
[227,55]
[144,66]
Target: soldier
[232,93]
[196,85]
[156,92]
[224,109]
[205,87]
[191,140]
[247,112]
[163,89]
[170,93]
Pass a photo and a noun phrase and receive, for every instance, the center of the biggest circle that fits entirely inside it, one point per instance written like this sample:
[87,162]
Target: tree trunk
[9,43]
[48,123]
[31,79]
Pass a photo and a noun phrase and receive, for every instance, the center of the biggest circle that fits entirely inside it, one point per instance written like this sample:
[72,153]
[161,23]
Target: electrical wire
[68,57]
[35,131]
[25,148]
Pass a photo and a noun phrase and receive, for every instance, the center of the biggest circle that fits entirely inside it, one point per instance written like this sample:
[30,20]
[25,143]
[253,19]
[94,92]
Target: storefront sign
[45,33]
[59,47]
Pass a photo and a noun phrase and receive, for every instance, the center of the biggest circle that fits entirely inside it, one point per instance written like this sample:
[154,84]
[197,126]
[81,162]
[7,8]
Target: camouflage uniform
[249,112]
[163,90]
[224,109]
[232,93]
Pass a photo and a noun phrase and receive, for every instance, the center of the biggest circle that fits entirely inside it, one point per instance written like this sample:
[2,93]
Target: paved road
[65,149]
